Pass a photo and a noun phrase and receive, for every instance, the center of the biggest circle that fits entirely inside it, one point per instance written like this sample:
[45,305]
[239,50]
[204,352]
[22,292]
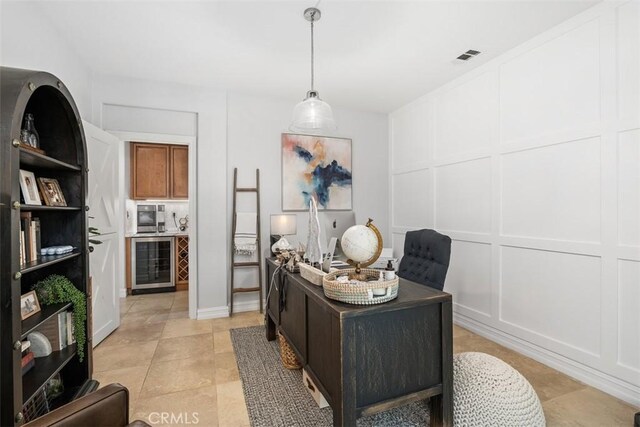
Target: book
[28,358]
[26,348]
[25,225]
[28,366]
[32,233]
[38,238]
[71,332]
[62,327]
[22,257]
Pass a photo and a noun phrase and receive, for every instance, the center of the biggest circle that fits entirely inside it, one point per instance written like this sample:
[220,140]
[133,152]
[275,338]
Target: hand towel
[245,239]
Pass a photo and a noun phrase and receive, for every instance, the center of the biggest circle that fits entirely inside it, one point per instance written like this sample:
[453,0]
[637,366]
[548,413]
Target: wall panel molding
[560,141]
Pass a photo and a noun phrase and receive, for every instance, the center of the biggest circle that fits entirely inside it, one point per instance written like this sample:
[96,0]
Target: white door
[105,212]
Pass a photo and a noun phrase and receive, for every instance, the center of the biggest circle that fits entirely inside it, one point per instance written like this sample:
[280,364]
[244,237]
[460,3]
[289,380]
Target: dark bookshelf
[44,369]
[47,260]
[31,159]
[62,140]
[46,312]
[48,208]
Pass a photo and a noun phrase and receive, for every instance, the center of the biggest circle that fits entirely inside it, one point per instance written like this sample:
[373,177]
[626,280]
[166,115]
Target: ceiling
[373,56]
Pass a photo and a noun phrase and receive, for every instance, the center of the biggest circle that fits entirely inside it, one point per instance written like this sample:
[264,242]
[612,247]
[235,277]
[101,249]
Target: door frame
[191,142]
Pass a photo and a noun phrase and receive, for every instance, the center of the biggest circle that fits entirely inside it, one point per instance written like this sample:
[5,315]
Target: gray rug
[275,396]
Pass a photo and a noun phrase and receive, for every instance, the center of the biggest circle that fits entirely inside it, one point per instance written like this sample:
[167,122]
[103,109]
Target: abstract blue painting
[316,166]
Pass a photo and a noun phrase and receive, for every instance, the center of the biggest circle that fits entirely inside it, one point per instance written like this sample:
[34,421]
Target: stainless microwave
[147,219]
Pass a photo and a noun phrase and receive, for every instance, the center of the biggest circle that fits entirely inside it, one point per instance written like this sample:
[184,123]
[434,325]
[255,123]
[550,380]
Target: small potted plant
[57,289]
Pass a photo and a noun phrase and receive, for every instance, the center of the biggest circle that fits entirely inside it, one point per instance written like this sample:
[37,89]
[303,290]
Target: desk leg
[343,417]
[271,328]
[441,406]
[344,409]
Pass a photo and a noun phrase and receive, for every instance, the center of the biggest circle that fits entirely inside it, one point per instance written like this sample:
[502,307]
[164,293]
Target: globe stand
[358,275]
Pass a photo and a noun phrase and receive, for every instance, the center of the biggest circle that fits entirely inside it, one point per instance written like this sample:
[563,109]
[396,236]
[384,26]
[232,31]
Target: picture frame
[316,166]
[29,305]
[29,188]
[51,192]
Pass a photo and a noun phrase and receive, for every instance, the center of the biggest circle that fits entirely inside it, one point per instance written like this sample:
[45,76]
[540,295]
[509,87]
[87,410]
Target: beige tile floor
[187,368]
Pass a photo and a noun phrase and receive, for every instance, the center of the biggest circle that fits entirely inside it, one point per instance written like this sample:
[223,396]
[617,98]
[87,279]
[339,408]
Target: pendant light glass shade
[312,115]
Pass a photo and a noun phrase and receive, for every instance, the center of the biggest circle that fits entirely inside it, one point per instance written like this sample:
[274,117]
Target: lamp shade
[283,225]
[312,114]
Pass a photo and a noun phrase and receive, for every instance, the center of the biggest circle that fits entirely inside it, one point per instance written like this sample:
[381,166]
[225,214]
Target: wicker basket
[289,359]
[312,274]
[362,293]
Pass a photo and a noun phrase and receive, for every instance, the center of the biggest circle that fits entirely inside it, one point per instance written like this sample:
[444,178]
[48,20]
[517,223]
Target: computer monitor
[334,225]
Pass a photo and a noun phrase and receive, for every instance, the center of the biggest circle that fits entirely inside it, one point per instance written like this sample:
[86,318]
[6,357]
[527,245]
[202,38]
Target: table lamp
[282,225]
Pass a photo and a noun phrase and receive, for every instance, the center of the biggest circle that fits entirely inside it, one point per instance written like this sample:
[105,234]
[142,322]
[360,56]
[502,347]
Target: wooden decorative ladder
[248,264]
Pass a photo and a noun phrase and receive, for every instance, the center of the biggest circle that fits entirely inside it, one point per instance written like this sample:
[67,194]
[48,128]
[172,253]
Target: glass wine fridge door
[152,263]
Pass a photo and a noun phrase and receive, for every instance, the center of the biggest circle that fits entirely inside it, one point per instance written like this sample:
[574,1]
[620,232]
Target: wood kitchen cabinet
[179,172]
[159,171]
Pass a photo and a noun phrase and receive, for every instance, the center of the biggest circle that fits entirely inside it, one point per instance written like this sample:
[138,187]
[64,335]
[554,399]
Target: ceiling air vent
[468,55]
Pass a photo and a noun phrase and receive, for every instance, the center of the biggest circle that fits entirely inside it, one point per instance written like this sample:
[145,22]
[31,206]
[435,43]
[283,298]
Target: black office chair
[426,258]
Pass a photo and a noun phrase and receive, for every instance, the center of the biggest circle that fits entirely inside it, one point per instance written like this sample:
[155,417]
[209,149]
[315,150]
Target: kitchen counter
[165,234]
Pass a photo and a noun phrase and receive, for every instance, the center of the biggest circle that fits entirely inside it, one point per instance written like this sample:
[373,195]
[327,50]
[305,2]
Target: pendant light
[312,114]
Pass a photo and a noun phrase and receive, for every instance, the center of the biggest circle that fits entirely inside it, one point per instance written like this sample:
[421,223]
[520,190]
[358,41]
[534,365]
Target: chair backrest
[426,258]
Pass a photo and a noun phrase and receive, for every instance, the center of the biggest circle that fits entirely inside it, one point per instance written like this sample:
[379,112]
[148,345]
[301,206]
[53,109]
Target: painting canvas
[316,166]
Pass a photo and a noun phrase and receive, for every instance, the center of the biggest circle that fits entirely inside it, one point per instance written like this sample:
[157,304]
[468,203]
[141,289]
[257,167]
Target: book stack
[59,330]
[30,244]
[28,361]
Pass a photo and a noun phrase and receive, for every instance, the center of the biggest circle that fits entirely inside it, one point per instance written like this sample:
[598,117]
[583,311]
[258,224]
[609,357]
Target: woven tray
[361,293]
[312,274]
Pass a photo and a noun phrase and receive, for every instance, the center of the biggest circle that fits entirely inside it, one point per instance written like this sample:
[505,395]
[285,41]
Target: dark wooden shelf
[46,313]
[48,208]
[64,159]
[44,261]
[37,160]
[45,368]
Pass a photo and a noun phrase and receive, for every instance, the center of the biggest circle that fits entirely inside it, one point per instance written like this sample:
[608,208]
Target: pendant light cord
[312,76]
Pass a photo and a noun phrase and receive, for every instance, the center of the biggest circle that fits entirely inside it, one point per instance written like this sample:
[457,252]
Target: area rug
[276,396]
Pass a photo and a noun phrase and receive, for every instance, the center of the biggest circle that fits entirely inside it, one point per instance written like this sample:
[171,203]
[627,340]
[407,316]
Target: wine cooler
[152,263]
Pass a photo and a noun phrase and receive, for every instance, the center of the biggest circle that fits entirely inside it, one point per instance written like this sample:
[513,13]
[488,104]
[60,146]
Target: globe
[360,243]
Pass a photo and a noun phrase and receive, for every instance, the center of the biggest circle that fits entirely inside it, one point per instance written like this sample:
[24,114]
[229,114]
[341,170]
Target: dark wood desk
[367,359]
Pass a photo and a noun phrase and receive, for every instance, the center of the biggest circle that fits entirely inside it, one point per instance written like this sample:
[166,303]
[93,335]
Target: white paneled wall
[531,163]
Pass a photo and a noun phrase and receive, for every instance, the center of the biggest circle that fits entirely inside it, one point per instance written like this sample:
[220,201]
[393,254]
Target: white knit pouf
[488,392]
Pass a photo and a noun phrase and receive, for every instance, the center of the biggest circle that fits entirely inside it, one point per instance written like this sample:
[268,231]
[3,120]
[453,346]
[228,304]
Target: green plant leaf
[57,289]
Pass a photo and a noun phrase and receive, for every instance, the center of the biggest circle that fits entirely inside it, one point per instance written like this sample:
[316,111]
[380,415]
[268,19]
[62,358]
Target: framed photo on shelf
[51,192]
[29,188]
[29,305]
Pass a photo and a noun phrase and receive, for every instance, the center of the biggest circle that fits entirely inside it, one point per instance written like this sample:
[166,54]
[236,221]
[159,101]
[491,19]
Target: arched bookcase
[64,158]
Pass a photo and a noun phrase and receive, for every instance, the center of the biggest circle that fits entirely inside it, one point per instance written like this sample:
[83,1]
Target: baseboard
[580,372]
[123,292]
[213,312]
[243,306]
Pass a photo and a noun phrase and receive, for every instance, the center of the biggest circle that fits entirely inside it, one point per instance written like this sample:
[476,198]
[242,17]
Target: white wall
[531,163]
[28,40]
[254,129]
[148,104]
